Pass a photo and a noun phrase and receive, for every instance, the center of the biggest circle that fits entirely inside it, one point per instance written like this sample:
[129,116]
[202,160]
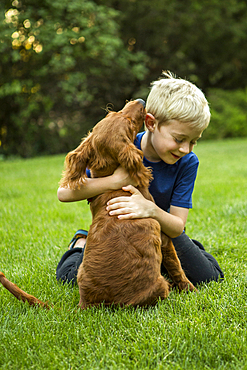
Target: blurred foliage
[63,62]
[229,114]
[201,40]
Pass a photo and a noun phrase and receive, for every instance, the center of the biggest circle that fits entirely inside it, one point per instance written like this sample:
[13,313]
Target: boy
[177,115]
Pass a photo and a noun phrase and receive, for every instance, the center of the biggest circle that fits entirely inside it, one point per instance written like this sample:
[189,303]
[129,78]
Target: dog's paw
[186,285]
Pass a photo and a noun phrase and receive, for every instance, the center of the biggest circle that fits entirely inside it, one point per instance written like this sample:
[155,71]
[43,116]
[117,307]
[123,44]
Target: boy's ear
[150,122]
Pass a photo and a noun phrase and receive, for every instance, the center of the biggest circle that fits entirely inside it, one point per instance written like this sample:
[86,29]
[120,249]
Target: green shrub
[229,114]
[59,63]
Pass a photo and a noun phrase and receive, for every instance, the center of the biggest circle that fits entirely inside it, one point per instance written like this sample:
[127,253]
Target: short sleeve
[184,185]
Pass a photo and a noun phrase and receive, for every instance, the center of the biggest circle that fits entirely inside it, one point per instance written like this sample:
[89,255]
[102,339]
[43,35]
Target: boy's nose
[185,148]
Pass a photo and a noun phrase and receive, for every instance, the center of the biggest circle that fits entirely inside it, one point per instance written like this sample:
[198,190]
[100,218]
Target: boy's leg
[68,266]
[198,265]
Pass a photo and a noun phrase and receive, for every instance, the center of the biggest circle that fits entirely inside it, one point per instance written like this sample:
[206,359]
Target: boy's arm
[172,223]
[95,186]
[90,188]
[136,206]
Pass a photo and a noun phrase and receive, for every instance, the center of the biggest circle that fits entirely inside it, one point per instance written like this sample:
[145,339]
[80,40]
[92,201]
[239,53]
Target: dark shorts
[68,266]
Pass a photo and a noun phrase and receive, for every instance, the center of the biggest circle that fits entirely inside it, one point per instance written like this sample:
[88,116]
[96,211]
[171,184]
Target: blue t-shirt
[173,184]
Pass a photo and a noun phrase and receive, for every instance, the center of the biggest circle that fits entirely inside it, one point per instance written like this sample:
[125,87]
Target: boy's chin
[171,159]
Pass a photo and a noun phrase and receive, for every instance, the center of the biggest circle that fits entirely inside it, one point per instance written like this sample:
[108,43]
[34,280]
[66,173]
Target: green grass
[187,331]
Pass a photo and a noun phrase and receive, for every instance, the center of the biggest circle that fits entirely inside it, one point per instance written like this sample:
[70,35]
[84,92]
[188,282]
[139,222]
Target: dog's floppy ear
[130,158]
[76,163]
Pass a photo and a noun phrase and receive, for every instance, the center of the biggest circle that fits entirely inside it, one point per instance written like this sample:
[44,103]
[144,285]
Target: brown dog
[121,263]
[122,258]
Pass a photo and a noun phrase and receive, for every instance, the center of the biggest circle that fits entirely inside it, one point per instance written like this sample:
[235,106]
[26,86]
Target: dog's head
[100,150]
[135,112]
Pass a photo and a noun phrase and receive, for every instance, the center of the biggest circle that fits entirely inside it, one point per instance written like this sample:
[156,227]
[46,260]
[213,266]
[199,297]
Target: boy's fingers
[117,200]
[131,189]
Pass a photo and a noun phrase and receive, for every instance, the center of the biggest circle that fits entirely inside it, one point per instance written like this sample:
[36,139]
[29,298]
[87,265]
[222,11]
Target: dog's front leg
[173,266]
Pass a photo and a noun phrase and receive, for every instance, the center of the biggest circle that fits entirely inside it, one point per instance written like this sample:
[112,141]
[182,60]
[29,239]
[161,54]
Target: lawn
[187,331]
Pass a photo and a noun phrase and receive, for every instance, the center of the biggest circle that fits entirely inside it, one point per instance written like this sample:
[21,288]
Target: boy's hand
[121,178]
[134,206]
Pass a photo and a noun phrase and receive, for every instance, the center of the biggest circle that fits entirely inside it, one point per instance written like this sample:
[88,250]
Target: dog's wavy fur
[122,259]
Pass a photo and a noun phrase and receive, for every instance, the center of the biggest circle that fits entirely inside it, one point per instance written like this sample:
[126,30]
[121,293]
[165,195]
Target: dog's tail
[20,294]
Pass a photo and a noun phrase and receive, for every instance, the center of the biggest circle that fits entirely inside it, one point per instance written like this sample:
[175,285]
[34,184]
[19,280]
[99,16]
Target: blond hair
[173,98]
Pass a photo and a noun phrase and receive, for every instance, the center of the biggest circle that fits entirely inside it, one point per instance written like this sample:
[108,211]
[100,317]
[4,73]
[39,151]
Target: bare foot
[80,243]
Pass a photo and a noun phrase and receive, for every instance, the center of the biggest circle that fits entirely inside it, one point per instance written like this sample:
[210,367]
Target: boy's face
[172,141]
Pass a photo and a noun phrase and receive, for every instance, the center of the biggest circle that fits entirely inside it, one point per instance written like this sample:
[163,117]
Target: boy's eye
[178,141]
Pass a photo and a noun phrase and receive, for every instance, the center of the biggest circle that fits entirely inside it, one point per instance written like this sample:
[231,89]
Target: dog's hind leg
[173,266]
[149,297]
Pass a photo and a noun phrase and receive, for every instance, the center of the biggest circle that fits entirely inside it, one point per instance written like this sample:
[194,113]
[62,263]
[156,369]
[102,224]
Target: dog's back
[121,264]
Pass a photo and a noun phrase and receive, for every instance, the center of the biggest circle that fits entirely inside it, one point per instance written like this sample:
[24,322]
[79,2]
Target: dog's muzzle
[142,102]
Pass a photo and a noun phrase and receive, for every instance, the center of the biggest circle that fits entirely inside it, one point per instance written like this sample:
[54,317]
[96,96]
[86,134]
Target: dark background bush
[63,62]
[229,114]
